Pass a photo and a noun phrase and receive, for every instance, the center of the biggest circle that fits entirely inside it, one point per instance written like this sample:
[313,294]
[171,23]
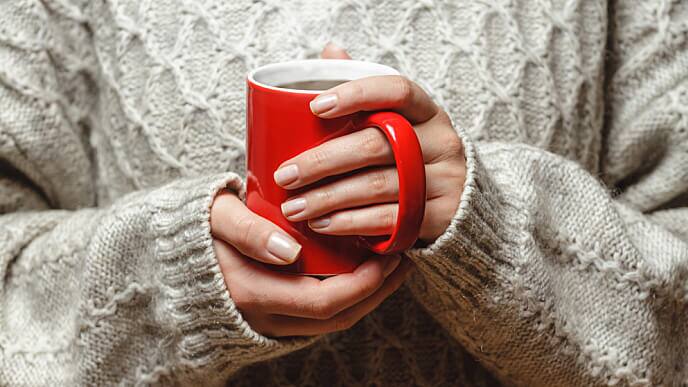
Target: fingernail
[319,223]
[391,264]
[293,206]
[283,247]
[286,175]
[332,45]
[323,103]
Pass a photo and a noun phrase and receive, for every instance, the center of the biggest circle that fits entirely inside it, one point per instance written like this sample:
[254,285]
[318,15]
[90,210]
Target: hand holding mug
[366,201]
[281,304]
[281,125]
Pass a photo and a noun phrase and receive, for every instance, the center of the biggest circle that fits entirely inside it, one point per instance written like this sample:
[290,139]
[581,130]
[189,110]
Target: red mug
[280,125]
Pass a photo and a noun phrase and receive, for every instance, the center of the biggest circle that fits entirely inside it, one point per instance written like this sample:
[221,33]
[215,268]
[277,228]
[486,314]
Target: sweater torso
[156,92]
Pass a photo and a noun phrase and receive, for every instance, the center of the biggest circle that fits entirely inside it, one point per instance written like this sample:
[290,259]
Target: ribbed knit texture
[565,265]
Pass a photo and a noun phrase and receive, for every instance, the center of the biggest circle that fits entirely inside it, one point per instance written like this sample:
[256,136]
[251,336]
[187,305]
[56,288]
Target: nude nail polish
[323,103]
[293,206]
[319,223]
[286,175]
[283,247]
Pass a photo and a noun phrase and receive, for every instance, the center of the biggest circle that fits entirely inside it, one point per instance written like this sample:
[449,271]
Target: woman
[127,254]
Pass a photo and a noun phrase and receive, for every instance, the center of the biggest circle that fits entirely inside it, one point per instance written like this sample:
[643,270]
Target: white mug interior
[272,75]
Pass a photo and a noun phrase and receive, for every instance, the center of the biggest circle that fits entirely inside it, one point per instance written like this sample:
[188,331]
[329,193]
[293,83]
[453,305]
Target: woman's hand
[279,304]
[365,202]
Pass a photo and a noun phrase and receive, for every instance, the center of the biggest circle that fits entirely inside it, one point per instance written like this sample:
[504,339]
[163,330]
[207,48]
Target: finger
[353,151]
[437,209]
[381,220]
[438,139]
[332,51]
[370,186]
[256,288]
[374,220]
[277,325]
[388,92]
[334,294]
[364,148]
[252,235]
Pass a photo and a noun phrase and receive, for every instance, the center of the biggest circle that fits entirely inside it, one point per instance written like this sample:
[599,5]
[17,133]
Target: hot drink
[318,84]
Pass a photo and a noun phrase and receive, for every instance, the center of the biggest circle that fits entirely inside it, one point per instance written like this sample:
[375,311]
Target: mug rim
[302,70]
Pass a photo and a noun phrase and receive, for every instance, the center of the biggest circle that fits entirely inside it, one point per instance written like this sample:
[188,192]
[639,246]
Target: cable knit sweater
[566,263]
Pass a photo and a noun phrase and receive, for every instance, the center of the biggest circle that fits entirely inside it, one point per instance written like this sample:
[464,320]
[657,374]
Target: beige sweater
[566,263]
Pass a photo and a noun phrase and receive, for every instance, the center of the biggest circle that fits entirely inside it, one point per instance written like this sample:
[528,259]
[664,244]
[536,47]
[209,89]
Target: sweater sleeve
[550,281]
[131,293]
[128,293]
[550,277]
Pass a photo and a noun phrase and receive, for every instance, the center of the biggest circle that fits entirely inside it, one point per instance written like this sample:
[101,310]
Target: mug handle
[411,171]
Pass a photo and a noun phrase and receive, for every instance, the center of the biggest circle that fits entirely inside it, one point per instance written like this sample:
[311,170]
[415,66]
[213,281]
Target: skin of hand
[364,202]
[279,304]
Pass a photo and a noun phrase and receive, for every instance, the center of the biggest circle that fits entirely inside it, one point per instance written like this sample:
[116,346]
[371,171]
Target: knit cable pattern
[566,263]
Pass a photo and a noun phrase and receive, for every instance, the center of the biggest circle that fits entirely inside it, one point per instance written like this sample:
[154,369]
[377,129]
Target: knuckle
[443,118]
[357,91]
[455,173]
[404,90]
[317,158]
[325,197]
[388,217]
[321,309]
[342,221]
[379,182]
[454,146]
[373,142]
[246,229]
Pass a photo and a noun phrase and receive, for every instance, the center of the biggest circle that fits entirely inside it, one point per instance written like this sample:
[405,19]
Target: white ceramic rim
[269,76]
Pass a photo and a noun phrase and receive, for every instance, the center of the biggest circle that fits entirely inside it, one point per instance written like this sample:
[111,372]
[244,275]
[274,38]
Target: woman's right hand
[279,304]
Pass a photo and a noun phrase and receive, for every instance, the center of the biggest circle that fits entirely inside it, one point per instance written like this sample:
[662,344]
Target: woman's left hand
[365,202]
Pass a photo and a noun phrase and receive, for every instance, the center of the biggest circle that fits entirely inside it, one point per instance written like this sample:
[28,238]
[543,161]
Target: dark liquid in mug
[318,84]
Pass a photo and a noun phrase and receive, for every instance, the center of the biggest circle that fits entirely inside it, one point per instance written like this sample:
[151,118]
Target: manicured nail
[283,247]
[286,175]
[323,103]
[392,263]
[293,206]
[319,223]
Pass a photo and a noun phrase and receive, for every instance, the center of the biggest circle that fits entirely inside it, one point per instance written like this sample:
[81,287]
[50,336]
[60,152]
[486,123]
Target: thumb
[251,234]
[332,51]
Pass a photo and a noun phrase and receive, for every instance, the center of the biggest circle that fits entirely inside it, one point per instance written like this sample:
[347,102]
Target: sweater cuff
[205,326]
[467,255]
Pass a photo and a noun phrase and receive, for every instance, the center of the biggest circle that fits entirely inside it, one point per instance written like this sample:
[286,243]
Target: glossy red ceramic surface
[280,125]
